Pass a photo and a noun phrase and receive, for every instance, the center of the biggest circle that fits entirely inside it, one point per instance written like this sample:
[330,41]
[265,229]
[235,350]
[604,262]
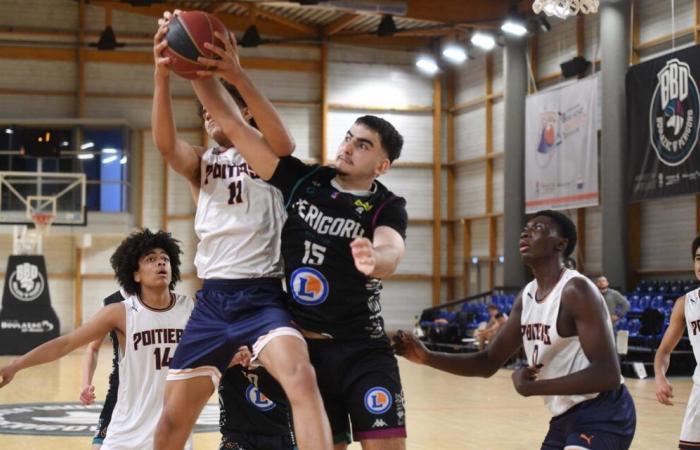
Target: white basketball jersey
[692,320]
[559,356]
[238,222]
[151,339]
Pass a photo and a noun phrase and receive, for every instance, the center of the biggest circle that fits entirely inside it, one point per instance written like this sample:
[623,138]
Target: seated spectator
[618,305]
[497,319]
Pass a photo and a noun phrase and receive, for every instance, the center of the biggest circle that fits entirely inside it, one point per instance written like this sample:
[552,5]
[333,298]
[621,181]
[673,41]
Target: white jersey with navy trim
[692,320]
[239,220]
[559,356]
[150,342]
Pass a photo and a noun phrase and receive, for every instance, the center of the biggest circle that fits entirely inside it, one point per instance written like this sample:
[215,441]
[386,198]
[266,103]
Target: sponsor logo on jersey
[309,287]
[673,116]
[26,282]
[378,400]
[74,419]
[327,225]
[367,206]
[258,399]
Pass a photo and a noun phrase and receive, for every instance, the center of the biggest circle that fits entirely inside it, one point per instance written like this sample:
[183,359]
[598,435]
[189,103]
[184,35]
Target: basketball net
[29,241]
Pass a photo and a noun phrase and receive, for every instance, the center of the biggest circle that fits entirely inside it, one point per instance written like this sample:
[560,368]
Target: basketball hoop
[42,221]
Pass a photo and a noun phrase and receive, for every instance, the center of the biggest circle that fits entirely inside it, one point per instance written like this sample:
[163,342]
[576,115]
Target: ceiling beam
[457,11]
[232,21]
[306,29]
[339,24]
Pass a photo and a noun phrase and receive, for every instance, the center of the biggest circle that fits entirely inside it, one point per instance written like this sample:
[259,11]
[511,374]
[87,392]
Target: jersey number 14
[162,356]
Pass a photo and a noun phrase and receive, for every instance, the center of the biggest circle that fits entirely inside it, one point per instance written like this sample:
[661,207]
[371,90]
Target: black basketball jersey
[113,388]
[253,402]
[327,293]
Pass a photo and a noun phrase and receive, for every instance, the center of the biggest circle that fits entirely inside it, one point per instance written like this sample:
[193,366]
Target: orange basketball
[187,33]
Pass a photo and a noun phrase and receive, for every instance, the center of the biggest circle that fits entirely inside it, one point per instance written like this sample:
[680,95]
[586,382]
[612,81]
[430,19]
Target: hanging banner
[561,147]
[662,126]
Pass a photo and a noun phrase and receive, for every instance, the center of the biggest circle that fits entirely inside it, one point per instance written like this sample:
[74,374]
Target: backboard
[24,195]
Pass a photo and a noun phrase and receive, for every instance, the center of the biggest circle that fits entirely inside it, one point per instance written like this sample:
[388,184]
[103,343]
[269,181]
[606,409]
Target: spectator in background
[618,305]
[496,320]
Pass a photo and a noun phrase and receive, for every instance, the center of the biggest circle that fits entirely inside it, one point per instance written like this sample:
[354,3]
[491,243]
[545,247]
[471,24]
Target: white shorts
[690,433]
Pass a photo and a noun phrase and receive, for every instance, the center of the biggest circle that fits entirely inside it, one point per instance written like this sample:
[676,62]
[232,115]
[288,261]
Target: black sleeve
[393,214]
[116,297]
[289,172]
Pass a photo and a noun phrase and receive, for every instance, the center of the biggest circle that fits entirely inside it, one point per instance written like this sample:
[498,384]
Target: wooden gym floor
[444,411]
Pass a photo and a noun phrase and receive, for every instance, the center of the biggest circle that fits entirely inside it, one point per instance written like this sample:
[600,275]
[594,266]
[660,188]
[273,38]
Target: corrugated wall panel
[668,229]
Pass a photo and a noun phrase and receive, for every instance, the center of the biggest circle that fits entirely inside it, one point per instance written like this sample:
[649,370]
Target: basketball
[187,33]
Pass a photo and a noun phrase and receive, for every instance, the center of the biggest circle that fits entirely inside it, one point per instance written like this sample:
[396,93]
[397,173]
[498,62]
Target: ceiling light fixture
[565,8]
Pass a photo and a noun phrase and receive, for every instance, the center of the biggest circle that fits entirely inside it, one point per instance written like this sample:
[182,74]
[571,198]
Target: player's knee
[299,380]
[169,420]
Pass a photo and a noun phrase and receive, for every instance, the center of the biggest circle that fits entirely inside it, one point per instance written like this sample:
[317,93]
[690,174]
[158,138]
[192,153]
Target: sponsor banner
[561,147]
[26,318]
[662,132]
[74,419]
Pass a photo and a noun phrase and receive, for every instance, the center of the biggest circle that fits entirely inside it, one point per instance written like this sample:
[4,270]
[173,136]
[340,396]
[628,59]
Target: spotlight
[386,27]
[8,131]
[514,27]
[123,160]
[475,260]
[251,37]
[109,150]
[427,65]
[109,159]
[85,156]
[483,40]
[87,145]
[454,53]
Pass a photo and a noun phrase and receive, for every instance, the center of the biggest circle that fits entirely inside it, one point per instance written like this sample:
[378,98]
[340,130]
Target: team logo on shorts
[258,399]
[26,282]
[309,287]
[378,400]
[673,116]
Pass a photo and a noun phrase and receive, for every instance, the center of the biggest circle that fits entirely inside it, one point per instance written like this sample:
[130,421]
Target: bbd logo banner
[662,108]
[561,157]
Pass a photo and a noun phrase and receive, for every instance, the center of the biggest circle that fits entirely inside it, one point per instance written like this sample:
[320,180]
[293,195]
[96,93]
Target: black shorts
[359,380]
[252,441]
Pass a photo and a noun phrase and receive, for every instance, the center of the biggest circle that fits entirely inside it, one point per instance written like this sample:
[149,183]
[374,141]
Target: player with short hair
[561,320]
[344,232]
[685,315]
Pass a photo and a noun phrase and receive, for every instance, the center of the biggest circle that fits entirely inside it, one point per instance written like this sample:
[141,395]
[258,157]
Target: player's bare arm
[92,352]
[378,258]
[108,318]
[180,155]
[662,359]
[228,67]
[481,364]
[249,141]
[581,314]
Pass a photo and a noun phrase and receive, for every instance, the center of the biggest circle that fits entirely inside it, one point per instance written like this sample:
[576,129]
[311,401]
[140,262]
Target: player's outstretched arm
[379,258]
[579,301]
[481,364]
[228,67]
[92,352]
[108,318]
[662,359]
[249,141]
[182,157]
